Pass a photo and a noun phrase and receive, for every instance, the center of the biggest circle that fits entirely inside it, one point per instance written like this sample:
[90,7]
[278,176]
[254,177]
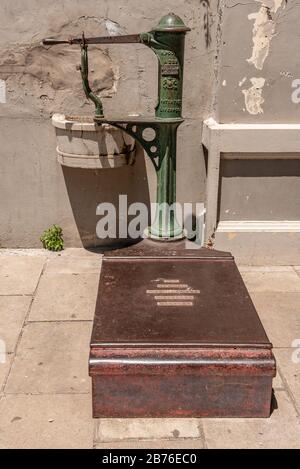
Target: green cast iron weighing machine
[166,40]
[175,332]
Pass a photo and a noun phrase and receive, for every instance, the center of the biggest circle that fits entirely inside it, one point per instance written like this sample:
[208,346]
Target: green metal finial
[171,23]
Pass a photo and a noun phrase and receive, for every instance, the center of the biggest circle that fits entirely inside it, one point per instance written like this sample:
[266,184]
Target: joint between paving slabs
[59,320]
[146,440]
[18,295]
[202,433]
[77,393]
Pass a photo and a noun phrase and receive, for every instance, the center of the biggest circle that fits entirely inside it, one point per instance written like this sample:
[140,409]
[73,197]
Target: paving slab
[31,252]
[152,429]
[181,443]
[280,315]
[74,265]
[288,360]
[281,430]
[265,268]
[13,310]
[19,275]
[271,280]
[63,297]
[81,252]
[52,358]
[46,421]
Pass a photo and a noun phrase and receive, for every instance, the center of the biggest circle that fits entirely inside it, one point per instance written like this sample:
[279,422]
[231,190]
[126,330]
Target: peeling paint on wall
[242,81]
[263,30]
[113,28]
[253,96]
[45,77]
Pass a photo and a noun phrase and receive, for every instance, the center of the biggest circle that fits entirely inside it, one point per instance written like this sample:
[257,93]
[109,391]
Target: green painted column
[167,42]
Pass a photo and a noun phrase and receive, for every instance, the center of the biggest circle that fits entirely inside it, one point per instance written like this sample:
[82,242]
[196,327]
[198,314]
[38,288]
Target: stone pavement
[47,303]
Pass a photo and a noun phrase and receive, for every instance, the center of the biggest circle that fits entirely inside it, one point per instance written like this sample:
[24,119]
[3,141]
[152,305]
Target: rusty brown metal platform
[176,334]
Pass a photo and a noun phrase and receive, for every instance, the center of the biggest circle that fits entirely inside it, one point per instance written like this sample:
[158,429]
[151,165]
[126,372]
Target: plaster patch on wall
[242,81]
[45,78]
[113,28]
[2,92]
[224,83]
[263,30]
[253,96]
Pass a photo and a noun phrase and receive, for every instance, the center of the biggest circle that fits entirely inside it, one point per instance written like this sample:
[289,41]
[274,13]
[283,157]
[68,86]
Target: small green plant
[52,239]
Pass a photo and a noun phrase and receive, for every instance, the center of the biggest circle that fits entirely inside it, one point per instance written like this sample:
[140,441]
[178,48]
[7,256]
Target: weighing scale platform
[176,335]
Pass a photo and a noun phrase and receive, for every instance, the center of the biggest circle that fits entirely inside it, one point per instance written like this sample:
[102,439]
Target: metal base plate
[170,323]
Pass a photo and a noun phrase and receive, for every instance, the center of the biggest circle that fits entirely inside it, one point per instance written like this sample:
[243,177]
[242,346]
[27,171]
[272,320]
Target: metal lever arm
[84,69]
[125,39]
[83,42]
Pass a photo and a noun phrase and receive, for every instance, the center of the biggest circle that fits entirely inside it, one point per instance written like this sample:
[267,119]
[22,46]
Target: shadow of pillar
[87,188]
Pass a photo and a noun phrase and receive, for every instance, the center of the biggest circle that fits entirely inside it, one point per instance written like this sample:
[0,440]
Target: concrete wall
[241,65]
[245,184]
[35,191]
[257,81]
[256,84]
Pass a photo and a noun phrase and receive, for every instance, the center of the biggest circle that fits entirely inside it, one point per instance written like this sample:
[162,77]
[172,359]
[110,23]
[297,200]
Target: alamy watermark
[2,351]
[295,96]
[130,221]
[296,352]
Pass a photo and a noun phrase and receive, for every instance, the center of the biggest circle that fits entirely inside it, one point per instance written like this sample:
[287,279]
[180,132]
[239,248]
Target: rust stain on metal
[215,362]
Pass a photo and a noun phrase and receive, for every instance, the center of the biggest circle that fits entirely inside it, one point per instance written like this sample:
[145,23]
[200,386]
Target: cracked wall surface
[36,81]
[259,40]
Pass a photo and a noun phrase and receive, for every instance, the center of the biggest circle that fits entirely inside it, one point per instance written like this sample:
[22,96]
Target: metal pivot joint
[166,40]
